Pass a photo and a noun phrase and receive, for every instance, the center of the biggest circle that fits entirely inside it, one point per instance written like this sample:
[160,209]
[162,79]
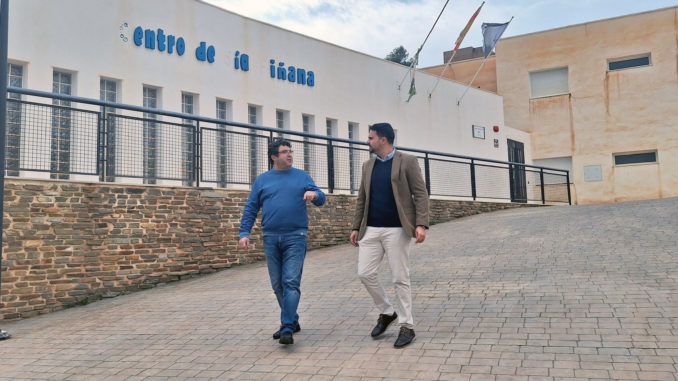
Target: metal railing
[116,142]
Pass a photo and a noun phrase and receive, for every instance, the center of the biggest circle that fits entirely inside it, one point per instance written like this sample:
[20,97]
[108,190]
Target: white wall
[83,36]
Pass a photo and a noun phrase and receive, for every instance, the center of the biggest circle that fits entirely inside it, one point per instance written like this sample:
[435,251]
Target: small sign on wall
[593,173]
[478,132]
[496,143]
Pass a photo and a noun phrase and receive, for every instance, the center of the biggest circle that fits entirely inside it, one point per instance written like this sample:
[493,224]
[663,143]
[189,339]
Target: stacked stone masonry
[68,243]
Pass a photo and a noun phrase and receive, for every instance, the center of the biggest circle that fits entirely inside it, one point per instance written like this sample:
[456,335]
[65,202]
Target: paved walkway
[581,292]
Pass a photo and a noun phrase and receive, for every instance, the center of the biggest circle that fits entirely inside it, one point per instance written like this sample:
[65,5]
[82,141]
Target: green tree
[400,56]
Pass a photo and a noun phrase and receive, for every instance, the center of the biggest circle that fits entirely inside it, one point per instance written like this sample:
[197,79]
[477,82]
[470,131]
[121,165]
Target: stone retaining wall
[68,243]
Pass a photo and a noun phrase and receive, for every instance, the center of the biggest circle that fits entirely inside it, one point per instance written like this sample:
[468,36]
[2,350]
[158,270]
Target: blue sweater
[383,210]
[280,195]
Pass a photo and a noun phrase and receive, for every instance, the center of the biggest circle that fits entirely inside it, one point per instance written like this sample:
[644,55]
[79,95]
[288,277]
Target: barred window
[223,144]
[223,109]
[188,102]
[15,78]
[151,142]
[253,118]
[150,100]
[331,125]
[282,120]
[108,91]
[353,157]
[307,125]
[61,83]
[60,143]
[15,73]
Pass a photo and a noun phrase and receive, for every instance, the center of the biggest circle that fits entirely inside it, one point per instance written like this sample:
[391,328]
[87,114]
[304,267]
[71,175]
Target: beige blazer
[409,191]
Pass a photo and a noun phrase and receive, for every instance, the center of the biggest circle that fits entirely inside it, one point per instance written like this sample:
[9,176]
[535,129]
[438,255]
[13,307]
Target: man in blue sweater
[282,193]
[392,208]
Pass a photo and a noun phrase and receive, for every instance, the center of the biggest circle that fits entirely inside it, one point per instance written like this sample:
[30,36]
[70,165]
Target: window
[331,127]
[60,143]
[150,100]
[353,133]
[282,120]
[307,126]
[108,91]
[353,158]
[628,62]
[224,111]
[15,78]
[15,73]
[188,102]
[549,82]
[253,115]
[635,158]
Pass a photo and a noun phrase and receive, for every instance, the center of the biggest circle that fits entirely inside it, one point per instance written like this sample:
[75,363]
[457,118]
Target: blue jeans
[285,254]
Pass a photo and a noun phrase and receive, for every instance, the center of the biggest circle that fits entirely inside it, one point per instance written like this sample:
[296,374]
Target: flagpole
[416,56]
[487,55]
[462,34]
[474,78]
[4,19]
[454,53]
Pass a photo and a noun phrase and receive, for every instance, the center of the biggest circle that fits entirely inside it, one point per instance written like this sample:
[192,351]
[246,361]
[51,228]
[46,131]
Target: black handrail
[332,143]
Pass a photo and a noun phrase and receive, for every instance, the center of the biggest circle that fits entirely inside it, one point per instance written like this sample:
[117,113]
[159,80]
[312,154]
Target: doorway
[516,154]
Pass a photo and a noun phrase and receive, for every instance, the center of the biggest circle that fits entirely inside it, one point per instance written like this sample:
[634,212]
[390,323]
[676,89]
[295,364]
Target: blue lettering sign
[241,61]
[282,74]
[161,40]
[245,62]
[291,74]
[202,52]
[152,39]
[138,36]
[301,76]
[181,46]
[170,43]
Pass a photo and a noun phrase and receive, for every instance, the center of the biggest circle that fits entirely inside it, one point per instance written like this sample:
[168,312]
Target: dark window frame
[649,157]
[630,62]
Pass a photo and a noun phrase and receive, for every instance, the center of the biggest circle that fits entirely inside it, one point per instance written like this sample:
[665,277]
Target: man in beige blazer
[391,209]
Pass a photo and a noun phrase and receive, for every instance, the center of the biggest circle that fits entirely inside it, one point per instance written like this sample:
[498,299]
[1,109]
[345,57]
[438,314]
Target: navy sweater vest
[383,212]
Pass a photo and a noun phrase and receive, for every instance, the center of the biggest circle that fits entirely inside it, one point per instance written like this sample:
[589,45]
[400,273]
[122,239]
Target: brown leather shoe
[382,323]
[405,337]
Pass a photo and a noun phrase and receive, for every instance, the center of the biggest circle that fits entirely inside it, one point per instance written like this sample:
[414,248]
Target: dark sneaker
[383,323]
[405,337]
[276,335]
[286,338]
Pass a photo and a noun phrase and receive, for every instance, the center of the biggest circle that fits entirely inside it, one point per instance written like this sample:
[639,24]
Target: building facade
[598,99]
[191,57]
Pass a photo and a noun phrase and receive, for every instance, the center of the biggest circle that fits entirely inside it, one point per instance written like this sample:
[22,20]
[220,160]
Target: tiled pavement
[581,292]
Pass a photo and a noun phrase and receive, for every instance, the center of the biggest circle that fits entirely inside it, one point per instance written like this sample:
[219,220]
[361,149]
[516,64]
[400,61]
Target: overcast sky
[376,27]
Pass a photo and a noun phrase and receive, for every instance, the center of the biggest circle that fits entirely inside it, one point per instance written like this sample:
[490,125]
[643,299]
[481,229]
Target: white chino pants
[395,243]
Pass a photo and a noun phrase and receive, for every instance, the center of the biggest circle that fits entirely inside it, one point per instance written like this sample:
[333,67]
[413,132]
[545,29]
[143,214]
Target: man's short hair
[274,147]
[384,130]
